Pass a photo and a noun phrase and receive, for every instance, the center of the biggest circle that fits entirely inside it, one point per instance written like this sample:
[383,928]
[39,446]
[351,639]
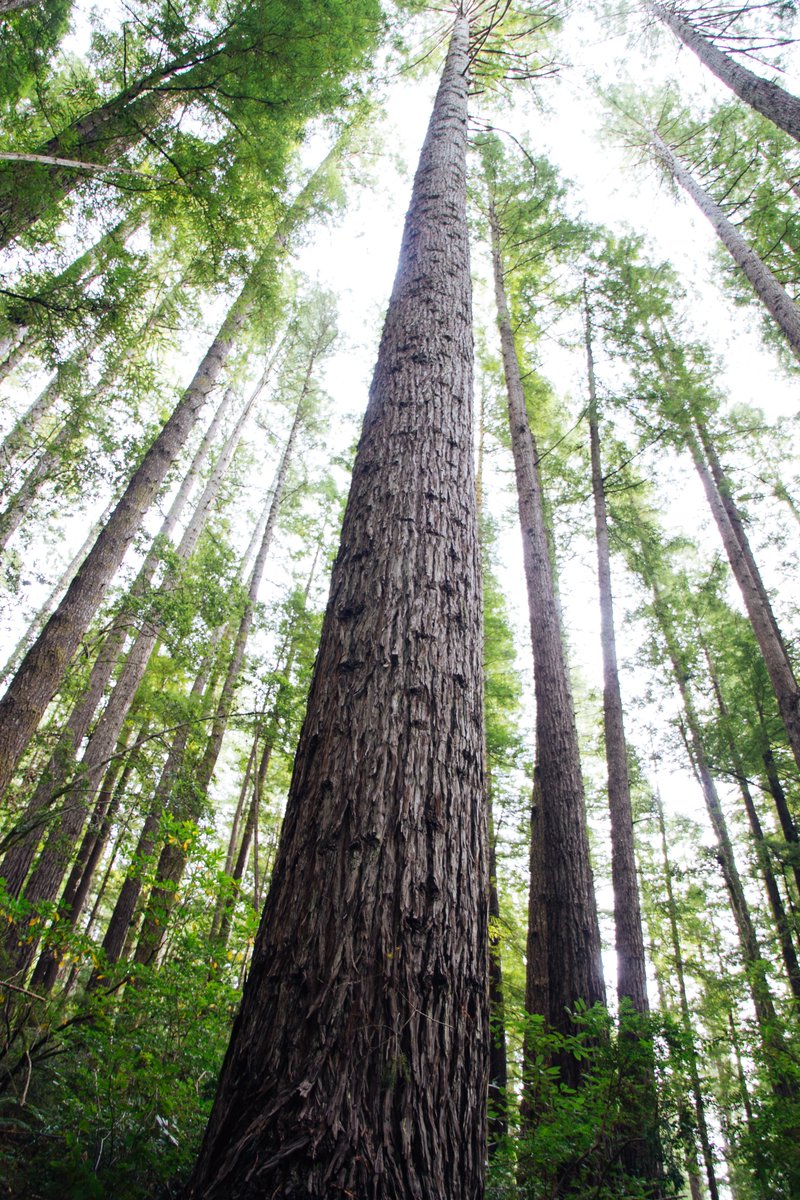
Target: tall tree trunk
[641,1154]
[17,861]
[775,787]
[122,916]
[57,591]
[688,1021]
[772,295]
[80,879]
[45,466]
[782,924]
[754,594]
[631,966]
[498,1058]
[766,97]
[26,334]
[174,858]
[755,967]
[571,940]
[44,666]
[358,1059]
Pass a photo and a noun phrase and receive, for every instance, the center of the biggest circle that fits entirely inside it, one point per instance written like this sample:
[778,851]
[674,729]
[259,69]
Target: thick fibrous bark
[43,668]
[754,594]
[570,933]
[772,101]
[773,296]
[358,1059]
[631,967]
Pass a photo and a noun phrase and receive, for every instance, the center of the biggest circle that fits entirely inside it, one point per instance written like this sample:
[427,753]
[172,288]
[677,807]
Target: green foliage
[572,1143]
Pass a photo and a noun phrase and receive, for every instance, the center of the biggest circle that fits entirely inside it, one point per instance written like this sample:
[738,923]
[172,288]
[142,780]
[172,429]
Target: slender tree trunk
[766,97]
[80,878]
[782,924]
[766,286]
[174,858]
[247,842]
[569,925]
[752,957]
[754,594]
[43,668]
[17,862]
[688,1025]
[46,465]
[26,334]
[358,1059]
[498,1058]
[632,970]
[122,916]
[63,582]
[785,817]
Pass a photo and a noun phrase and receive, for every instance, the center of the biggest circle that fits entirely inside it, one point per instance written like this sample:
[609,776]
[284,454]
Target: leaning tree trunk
[776,791]
[782,924]
[46,879]
[752,957]
[571,941]
[766,97]
[754,594]
[772,295]
[125,906]
[43,668]
[17,861]
[358,1060]
[174,858]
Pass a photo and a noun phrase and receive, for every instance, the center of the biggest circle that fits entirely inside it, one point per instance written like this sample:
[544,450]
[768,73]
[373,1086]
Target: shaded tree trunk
[44,666]
[632,971]
[174,858]
[17,861]
[766,97]
[772,295]
[754,594]
[358,1059]
[569,926]
[688,1026]
[782,925]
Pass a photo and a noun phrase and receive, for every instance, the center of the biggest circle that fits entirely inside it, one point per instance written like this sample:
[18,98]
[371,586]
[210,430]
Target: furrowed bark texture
[358,1059]
[774,298]
[754,594]
[772,101]
[571,934]
[44,666]
[629,936]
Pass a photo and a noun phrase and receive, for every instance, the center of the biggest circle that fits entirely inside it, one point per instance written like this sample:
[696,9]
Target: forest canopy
[399,506]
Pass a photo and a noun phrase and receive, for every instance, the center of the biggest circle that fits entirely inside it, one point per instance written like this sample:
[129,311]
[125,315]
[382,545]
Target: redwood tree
[358,1060]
